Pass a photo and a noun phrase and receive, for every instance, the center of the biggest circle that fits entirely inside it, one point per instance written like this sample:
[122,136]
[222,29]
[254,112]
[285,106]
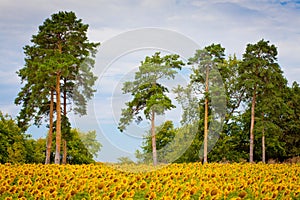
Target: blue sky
[233,23]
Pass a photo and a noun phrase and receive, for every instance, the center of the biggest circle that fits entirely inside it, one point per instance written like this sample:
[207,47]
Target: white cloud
[8,108]
[103,34]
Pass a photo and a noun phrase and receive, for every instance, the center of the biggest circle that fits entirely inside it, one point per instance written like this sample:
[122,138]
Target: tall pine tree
[205,62]
[61,53]
[148,94]
[258,68]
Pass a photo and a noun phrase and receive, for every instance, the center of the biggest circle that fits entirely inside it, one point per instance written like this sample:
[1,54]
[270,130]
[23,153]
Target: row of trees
[234,109]
[18,147]
[227,102]
[57,78]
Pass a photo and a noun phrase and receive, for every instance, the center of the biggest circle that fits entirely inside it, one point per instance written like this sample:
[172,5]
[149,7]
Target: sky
[129,30]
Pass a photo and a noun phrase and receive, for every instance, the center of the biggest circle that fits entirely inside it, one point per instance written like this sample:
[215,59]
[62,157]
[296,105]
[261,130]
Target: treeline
[18,147]
[259,122]
[233,109]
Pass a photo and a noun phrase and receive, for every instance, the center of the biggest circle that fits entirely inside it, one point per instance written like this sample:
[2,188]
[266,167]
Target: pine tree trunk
[58,120]
[49,139]
[64,159]
[252,126]
[206,118]
[263,141]
[153,138]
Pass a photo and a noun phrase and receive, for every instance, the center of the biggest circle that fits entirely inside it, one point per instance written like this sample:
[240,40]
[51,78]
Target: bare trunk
[49,139]
[206,119]
[58,120]
[263,141]
[153,138]
[64,159]
[252,126]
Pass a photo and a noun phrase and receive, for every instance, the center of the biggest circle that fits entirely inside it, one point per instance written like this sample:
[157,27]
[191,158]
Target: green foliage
[82,147]
[125,160]
[60,52]
[66,128]
[259,73]
[189,103]
[61,46]
[35,150]
[148,94]
[78,154]
[206,87]
[289,121]
[187,143]
[165,133]
[89,139]
[16,151]
[209,69]
[233,143]
[16,147]
[12,141]
[262,79]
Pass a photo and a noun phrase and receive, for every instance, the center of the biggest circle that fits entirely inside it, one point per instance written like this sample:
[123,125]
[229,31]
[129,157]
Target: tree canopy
[149,95]
[59,61]
[258,101]
[261,120]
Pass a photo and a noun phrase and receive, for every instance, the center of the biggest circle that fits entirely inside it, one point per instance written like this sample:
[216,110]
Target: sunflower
[193,190]
[73,192]
[242,194]
[214,192]
[62,184]
[143,185]
[13,189]
[40,186]
[207,189]
[46,194]
[112,194]
[152,195]
[117,187]
[53,194]
[21,194]
[20,181]
[274,194]
[124,181]
[131,193]
[185,195]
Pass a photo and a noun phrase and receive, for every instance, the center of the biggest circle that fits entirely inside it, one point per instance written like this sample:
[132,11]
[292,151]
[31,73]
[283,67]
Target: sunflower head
[143,185]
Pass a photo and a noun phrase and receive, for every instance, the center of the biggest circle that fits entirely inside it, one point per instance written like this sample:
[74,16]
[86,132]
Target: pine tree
[204,73]
[258,68]
[148,94]
[60,51]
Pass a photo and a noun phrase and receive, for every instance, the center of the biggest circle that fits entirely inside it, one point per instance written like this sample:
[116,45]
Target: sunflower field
[174,181]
